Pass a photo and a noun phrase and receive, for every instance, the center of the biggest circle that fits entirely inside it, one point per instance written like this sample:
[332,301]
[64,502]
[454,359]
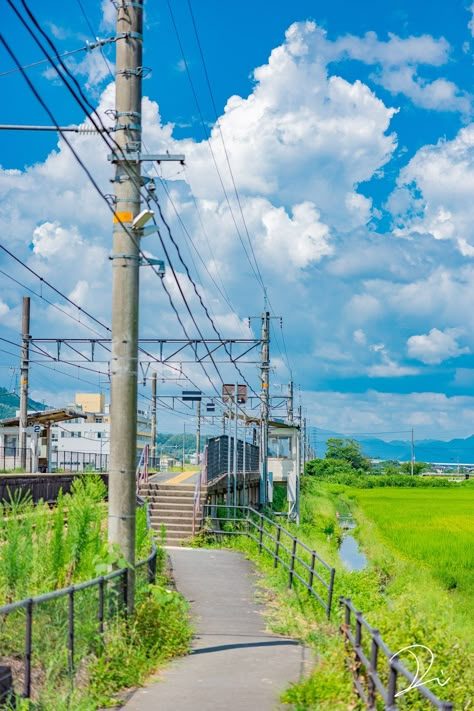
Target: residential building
[92,435]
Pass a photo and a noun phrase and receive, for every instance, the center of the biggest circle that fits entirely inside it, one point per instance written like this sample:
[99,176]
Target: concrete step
[172,506]
[172,513]
[174,525]
[167,516]
[166,493]
[174,497]
[182,487]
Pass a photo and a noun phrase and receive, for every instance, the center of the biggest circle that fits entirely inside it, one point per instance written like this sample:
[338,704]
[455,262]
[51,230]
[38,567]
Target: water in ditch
[349,553]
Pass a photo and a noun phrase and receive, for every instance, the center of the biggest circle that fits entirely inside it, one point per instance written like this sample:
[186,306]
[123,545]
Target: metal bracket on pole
[138,157]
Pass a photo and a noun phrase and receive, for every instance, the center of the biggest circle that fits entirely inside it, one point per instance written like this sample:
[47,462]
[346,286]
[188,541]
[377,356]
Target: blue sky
[351,138]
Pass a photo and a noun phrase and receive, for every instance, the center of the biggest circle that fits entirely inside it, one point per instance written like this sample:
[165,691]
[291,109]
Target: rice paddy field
[433,528]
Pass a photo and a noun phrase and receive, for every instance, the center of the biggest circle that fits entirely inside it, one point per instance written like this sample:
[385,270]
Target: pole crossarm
[177,346]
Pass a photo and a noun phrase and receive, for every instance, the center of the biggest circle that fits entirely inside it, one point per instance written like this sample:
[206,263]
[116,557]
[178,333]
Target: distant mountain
[426,450]
[10,403]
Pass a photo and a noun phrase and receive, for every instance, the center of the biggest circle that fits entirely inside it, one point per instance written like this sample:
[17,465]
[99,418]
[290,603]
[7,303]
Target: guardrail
[302,562]
[109,603]
[365,665]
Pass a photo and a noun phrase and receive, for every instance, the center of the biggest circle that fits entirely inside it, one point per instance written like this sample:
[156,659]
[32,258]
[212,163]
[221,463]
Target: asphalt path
[234,663]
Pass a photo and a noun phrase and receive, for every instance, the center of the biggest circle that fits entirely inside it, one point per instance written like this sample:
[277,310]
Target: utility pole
[153,420]
[24,372]
[265,406]
[184,441]
[125,283]
[290,402]
[236,434]
[198,431]
[412,460]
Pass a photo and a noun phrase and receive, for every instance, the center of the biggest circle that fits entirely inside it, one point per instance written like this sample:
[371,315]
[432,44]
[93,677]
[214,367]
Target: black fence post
[292,562]
[311,572]
[71,631]
[392,685]
[100,614]
[373,669]
[277,546]
[260,534]
[330,592]
[28,649]
[125,589]
[152,568]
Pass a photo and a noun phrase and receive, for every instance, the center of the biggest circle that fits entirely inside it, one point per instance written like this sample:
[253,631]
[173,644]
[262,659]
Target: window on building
[279,446]
[99,420]
[10,442]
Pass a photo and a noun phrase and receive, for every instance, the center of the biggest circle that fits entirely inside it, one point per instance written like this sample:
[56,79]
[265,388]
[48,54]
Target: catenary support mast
[24,376]
[153,419]
[125,283]
[265,406]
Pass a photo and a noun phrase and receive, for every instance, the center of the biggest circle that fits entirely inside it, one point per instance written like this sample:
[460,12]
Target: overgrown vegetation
[43,549]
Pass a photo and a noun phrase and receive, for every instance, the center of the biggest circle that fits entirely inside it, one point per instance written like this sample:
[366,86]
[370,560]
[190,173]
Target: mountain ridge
[427,450]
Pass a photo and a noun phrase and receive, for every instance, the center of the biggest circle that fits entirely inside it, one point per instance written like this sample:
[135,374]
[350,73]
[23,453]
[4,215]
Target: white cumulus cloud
[436,346]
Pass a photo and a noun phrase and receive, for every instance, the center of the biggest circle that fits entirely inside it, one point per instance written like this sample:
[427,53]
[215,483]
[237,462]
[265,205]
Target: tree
[418,467]
[347,450]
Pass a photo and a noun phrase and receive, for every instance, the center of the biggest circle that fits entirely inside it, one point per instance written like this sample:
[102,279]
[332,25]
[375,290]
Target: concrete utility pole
[125,282]
[198,431]
[153,419]
[236,434]
[412,460]
[290,401]
[24,373]
[265,406]
[184,446]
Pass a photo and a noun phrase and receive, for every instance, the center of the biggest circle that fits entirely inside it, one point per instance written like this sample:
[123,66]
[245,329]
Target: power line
[50,303]
[255,268]
[81,6]
[42,279]
[87,48]
[68,143]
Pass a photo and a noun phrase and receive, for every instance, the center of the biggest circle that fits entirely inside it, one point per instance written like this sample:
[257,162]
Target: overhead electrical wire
[102,136]
[254,267]
[50,303]
[226,153]
[89,24]
[45,281]
[86,48]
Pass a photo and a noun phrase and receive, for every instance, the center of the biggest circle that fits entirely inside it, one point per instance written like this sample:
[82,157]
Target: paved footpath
[234,665]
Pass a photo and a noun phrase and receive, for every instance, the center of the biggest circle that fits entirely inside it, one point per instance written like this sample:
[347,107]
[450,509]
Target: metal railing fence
[218,452]
[71,629]
[365,664]
[10,458]
[304,565]
[301,562]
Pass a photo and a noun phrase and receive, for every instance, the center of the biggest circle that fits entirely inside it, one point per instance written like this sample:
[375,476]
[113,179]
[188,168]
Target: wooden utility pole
[125,283]
[24,374]
[265,406]
[153,419]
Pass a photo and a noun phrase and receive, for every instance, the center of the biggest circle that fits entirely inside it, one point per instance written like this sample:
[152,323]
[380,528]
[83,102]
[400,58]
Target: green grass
[42,550]
[402,591]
